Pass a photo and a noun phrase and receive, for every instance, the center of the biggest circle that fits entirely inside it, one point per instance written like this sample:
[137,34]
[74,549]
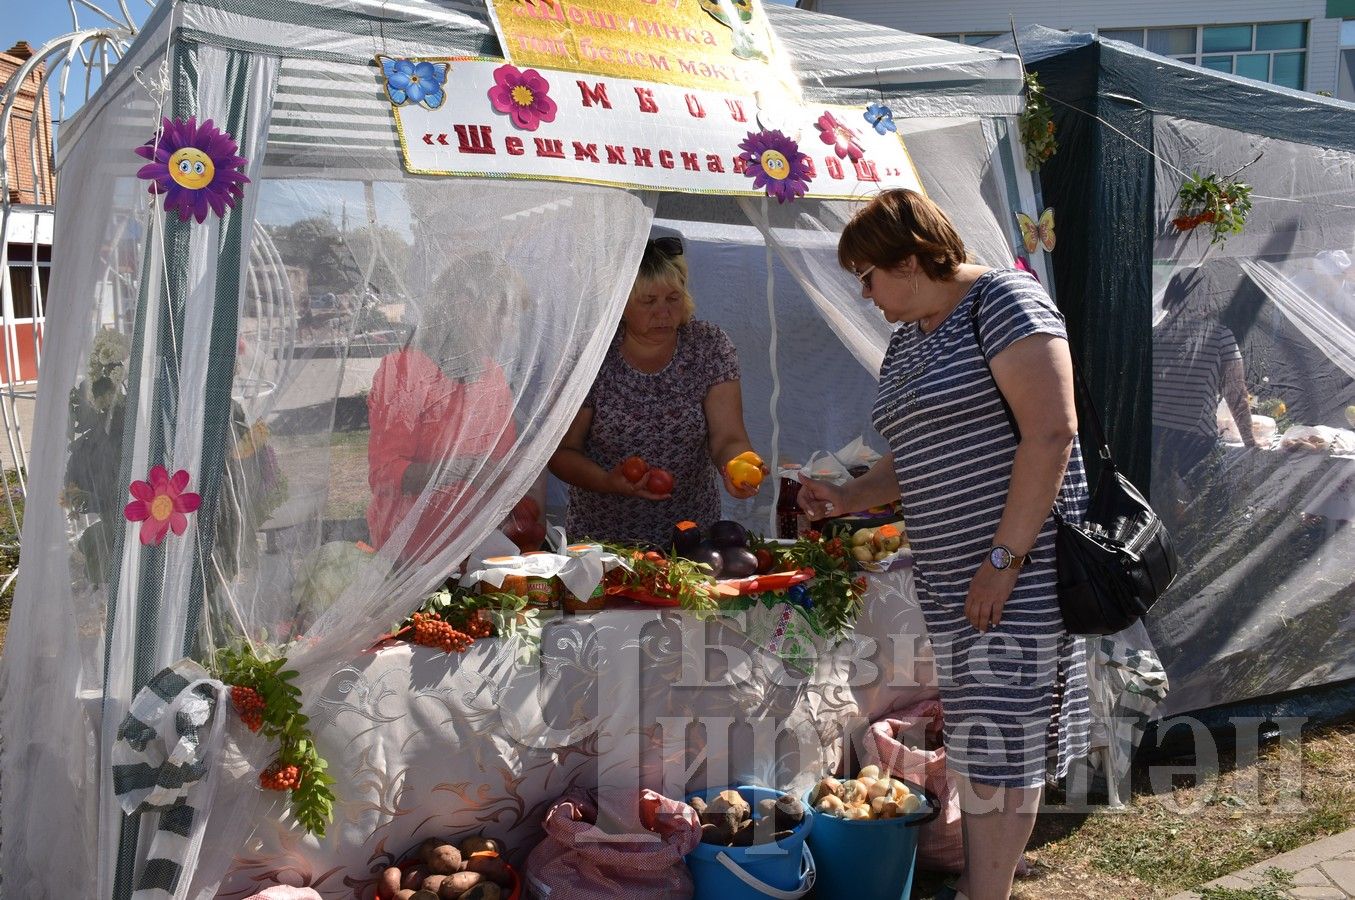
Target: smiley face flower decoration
[838,136]
[195,167]
[161,504]
[523,96]
[775,163]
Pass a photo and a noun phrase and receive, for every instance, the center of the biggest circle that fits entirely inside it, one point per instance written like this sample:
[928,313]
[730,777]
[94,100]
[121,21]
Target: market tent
[1266,592]
[215,348]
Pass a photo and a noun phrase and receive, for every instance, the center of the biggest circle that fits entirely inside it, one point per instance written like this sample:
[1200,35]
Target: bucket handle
[808,874]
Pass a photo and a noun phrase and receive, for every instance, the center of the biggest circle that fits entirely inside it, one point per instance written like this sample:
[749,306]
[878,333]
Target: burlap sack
[571,864]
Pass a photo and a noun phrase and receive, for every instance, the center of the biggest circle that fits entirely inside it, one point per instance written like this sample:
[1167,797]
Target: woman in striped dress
[978,503]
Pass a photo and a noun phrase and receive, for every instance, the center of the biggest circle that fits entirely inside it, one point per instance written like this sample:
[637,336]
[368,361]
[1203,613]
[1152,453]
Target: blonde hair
[658,269]
[895,225]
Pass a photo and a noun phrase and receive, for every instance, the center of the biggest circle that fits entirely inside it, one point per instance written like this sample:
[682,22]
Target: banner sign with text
[479,117]
[721,45]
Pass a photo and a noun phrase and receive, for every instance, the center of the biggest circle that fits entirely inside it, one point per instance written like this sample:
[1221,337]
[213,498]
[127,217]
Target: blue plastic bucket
[867,859]
[783,870]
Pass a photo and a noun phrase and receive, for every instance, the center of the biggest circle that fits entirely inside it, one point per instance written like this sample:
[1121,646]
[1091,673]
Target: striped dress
[1015,698]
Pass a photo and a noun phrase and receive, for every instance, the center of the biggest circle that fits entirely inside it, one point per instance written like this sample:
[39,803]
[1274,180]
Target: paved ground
[1322,871]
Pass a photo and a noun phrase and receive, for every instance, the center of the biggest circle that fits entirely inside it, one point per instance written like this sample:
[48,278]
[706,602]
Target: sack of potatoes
[439,869]
[867,796]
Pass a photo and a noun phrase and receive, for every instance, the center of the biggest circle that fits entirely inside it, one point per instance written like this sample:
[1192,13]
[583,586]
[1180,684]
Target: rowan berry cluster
[278,777]
[430,631]
[249,704]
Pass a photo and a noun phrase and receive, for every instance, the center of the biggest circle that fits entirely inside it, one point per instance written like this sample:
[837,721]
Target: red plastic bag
[570,864]
[909,748]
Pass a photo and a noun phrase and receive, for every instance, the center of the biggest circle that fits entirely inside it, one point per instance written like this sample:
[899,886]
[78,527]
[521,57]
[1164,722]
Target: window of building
[1345,75]
[21,271]
[1267,51]
[972,38]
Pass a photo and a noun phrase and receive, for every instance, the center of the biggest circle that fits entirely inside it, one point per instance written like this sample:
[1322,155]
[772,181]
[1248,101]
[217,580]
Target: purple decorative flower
[775,163]
[524,96]
[408,81]
[195,167]
[840,137]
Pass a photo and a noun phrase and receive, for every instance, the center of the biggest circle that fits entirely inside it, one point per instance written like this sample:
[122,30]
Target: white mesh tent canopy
[243,350]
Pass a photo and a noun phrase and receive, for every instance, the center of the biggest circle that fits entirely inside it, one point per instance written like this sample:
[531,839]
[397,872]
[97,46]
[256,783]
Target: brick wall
[25,184]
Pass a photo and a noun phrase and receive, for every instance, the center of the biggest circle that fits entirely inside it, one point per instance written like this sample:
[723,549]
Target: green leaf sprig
[1036,125]
[1220,201]
[312,800]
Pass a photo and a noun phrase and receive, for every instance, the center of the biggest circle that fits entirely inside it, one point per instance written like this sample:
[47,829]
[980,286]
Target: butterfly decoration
[1034,234]
[881,118]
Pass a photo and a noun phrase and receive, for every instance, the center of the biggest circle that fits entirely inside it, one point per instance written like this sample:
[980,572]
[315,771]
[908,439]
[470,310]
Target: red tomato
[527,508]
[764,561]
[634,468]
[660,481]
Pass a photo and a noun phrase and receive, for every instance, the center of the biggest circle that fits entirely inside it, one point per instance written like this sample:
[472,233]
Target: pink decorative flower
[840,137]
[775,163]
[160,505]
[195,167]
[1024,266]
[524,96]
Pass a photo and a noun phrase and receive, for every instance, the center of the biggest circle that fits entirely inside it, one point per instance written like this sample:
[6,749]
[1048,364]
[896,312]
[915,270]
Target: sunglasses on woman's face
[668,246]
[864,277]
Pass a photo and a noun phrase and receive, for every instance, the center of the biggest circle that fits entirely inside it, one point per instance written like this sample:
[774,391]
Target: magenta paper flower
[775,162]
[160,505]
[840,137]
[195,167]
[524,96]
[1024,265]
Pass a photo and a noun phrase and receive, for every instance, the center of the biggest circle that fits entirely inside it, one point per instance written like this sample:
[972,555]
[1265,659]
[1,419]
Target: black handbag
[1113,565]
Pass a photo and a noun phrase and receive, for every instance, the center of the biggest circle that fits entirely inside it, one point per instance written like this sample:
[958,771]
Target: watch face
[1000,557]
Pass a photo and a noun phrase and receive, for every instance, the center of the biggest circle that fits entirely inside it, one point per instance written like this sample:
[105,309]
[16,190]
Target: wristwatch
[1001,557]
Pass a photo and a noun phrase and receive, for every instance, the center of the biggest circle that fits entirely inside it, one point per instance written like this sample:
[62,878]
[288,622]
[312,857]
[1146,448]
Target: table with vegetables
[604,665]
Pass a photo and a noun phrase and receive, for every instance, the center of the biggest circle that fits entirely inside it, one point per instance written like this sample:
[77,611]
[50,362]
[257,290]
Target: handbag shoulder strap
[1082,394]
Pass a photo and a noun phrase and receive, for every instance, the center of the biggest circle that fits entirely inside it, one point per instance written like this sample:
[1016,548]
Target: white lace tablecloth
[425,743]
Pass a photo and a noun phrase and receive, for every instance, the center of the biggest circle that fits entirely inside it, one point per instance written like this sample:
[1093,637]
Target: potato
[485,890]
[730,802]
[390,883]
[480,844]
[857,811]
[910,804]
[863,536]
[413,877]
[404,894]
[869,772]
[424,894]
[878,789]
[863,553]
[698,804]
[832,805]
[867,781]
[444,860]
[492,868]
[456,885]
[716,835]
[743,837]
[433,883]
[429,845]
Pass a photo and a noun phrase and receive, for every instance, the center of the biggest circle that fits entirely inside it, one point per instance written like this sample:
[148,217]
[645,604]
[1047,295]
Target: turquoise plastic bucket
[870,859]
[783,870]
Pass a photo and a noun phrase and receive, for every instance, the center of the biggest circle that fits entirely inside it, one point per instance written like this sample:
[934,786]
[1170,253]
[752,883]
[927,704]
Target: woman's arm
[728,437]
[1035,375]
[571,465]
[875,488]
[1235,392]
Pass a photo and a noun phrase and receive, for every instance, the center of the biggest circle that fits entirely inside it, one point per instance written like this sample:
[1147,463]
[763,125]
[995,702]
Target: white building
[1305,44]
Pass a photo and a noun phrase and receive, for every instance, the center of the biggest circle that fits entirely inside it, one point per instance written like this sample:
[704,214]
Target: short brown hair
[658,269]
[897,224]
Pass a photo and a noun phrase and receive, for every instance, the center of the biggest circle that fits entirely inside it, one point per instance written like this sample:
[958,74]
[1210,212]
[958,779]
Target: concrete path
[1324,870]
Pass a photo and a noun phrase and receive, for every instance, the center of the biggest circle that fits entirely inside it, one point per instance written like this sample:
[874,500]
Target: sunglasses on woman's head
[864,277]
[668,246]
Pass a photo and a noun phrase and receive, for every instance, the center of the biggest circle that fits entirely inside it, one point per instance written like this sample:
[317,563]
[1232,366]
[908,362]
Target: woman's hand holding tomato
[645,484]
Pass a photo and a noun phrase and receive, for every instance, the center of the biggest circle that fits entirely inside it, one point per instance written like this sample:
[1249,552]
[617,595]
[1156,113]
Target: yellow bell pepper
[745,470]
